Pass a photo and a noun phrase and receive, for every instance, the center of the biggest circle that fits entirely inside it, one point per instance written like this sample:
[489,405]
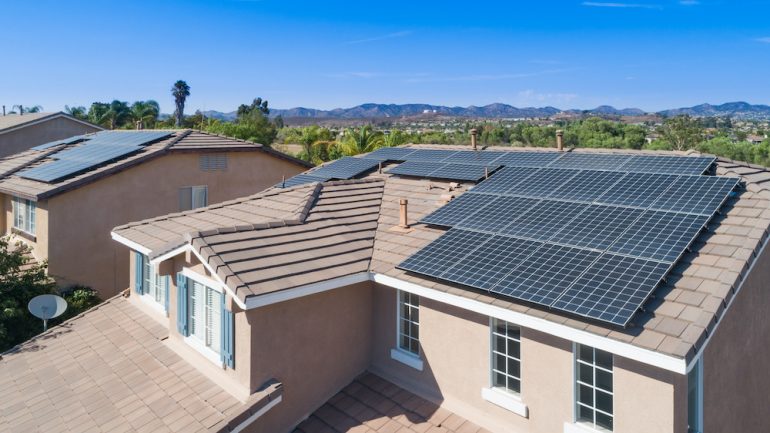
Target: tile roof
[14,120]
[109,370]
[179,141]
[676,320]
[371,404]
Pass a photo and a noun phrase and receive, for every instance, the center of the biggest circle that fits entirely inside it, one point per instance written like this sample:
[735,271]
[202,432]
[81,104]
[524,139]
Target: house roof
[675,322]
[109,370]
[371,404]
[13,121]
[178,141]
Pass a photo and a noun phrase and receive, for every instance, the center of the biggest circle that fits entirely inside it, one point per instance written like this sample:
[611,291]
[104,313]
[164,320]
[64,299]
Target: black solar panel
[543,182]
[478,157]
[467,172]
[51,144]
[597,226]
[430,155]
[659,235]
[695,194]
[444,252]
[458,209]
[490,262]
[637,189]
[301,179]
[612,289]
[546,273]
[590,161]
[668,164]
[390,154]
[586,185]
[492,213]
[346,168]
[543,220]
[528,159]
[504,179]
[415,168]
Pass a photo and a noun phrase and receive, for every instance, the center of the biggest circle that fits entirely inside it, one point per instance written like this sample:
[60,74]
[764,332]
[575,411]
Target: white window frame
[152,283]
[24,211]
[192,191]
[502,396]
[192,340]
[401,354]
[595,389]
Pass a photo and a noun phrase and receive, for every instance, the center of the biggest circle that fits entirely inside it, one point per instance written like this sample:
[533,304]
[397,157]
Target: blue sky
[651,54]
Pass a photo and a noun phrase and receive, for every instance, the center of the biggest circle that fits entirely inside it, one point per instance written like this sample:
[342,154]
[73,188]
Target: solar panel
[51,144]
[546,273]
[390,154]
[476,157]
[668,164]
[346,168]
[430,155]
[543,220]
[590,161]
[543,182]
[695,194]
[659,235]
[55,170]
[528,159]
[490,262]
[415,168]
[467,172]
[597,227]
[444,252]
[637,189]
[504,179]
[612,289]
[458,209]
[301,179]
[586,185]
[492,213]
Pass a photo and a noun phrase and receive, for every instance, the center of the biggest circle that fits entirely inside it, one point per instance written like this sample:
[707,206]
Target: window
[193,197]
[409,322]
[213,162]
[593,387]
[24,215]
[205,315]
[506,356]
[149,282]
[695,398]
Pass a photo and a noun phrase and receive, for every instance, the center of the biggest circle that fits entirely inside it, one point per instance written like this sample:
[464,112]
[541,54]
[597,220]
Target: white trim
[407,358]
[157,306]
[173,253]
[221,283]
[579,428]
[506,400]
[206,281]
[666,362]
[310,289]
[131,244]
[239,428]
[203,350]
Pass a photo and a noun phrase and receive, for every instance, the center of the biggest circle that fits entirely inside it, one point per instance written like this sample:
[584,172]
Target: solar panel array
[51,144]
[100,148]
[586,241]
[443,170]
[343,168]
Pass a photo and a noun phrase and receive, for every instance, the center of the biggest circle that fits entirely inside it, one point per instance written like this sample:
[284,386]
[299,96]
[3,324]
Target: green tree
[257,105]
[146,112]
[97,112]
[180,91]
[359,141]
[682,132]
[22,109]
[78,112]
[393,138]
[118,114]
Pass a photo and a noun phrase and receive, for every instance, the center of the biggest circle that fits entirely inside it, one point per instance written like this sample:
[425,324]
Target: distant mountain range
[741,110]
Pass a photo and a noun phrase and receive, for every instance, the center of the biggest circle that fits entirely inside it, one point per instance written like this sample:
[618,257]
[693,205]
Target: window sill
[505,400]
[149,300]
[579,427]
[25,235]
[406,358]
[205,351]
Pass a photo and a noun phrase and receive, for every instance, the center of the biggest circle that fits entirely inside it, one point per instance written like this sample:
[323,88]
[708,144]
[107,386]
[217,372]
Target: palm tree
[116,115]
[361,141]
[23,109]
[145,112]
[78,112]
[180,91]
[393,138]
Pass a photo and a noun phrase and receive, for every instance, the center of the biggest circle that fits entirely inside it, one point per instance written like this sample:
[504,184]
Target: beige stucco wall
[39,243]
[736,361]
[18,140]
[455,346]
[80,249]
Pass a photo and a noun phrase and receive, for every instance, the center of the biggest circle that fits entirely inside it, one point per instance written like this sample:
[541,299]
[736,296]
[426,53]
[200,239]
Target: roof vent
[560,140]
[402,216]
[473,138]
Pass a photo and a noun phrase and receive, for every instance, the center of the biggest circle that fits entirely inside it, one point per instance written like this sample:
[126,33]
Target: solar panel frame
[637,189]
[528,159]
[445,251]
[55,143]
[542,182]
[695,165]
[430,155]
[695,194]
[597,227]
[591,161]
[390,154]
[474,157]
[496,213]
[544,220]
[586,186]
[301,179]
[467,172]
[458,209]
[504,179]
[415,168]
[346,168]
[658,235]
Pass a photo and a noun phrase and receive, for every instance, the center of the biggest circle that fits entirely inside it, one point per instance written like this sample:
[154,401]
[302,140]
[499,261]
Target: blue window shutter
[181,304]
[228,355]
[167,287]
[138,263]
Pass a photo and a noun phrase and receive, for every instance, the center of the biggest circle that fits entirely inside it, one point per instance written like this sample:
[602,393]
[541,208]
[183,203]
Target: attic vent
[213,162]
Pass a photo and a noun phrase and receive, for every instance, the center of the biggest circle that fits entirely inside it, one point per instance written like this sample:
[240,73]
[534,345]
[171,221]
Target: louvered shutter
[138,271]
[181,304]
[166,290]
[228,338]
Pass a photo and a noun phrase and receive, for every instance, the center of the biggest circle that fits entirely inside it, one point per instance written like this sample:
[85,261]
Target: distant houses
[19,132]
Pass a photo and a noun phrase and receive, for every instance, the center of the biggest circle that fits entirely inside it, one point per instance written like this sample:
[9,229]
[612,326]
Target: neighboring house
[19,132]
[286,310]
[66,212]
[755,139]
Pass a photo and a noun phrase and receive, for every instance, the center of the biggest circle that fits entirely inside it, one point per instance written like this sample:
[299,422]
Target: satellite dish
[47,307]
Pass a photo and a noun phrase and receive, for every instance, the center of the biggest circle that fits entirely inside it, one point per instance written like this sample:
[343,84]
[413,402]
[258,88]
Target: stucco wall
[80,248]
[40,242]
[455,347]
[737,360]
[15,141]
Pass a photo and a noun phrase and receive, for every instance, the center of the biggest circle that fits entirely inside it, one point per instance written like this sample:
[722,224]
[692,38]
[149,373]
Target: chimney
[402,214]
[473,138]
[560,140]
[3,110]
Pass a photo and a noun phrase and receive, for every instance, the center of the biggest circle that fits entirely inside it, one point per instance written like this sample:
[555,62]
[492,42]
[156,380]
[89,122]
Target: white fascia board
[131,244]
[216,279]
[666,362]
[173,253]
[240,427]
[310,289]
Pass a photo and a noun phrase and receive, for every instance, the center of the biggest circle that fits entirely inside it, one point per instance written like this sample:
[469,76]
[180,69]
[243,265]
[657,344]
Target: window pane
[586,353]
[514,385]
[513,367]
[499,379]
[404,327]
[513,348]
[514,332]
[603,401]
[604,359]
[585,374]
[500,326]
[500,344]
[414,346]
[414,330]
[404,342]
[604,380]
[500,363]
[185,198]
[586,395]
[585,414]
[199,196]
[604,421]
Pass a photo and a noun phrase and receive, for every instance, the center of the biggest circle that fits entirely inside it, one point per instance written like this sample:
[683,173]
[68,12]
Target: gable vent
[213,162]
